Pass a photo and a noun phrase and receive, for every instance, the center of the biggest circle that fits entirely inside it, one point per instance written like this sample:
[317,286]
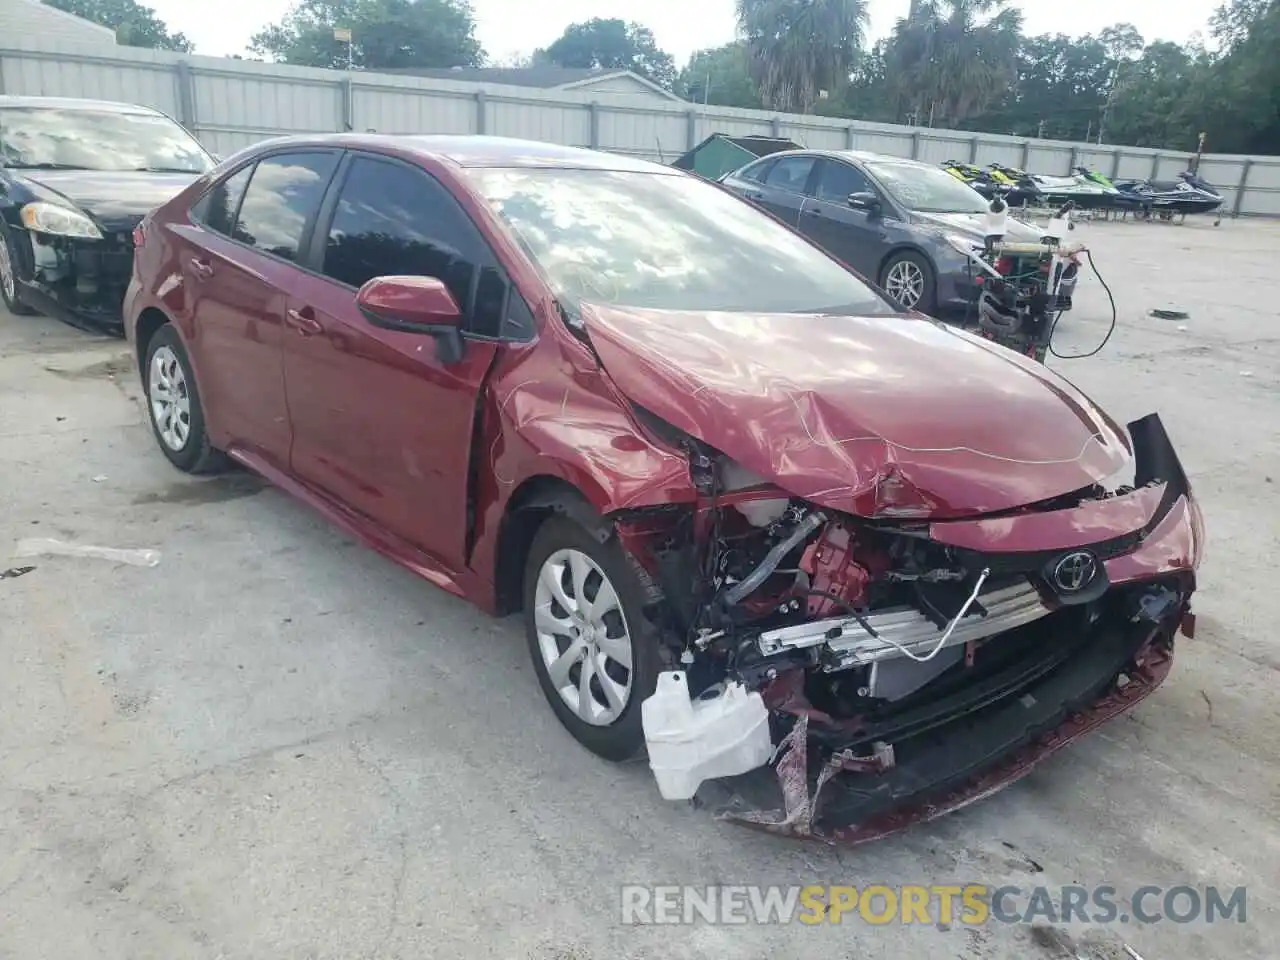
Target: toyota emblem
[1075,571]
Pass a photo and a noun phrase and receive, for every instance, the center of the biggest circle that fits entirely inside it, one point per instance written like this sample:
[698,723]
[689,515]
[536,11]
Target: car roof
[66,103]
[861,156]
[479,151]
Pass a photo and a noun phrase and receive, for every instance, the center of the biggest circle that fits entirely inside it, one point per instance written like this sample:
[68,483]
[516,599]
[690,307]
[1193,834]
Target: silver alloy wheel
[7,280]
[170,399]
[583,637]
[905,283]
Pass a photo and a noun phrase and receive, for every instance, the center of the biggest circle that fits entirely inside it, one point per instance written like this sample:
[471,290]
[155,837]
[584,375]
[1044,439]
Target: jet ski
[1190,193]
[975,177]
[1020,189]
[1086,192]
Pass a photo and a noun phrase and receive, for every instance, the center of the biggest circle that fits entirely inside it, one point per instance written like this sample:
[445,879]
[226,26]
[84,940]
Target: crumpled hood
[975,225]
[116,199]
[875,416]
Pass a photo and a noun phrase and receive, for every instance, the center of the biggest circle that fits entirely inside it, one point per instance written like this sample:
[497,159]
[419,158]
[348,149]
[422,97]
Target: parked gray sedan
[886,217]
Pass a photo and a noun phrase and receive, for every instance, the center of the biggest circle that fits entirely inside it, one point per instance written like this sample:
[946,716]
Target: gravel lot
[275,744]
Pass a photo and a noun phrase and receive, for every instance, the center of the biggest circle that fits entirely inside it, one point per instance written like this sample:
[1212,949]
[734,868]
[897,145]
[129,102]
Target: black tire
[12,303]
[928,302]
[196,455]
[622,739]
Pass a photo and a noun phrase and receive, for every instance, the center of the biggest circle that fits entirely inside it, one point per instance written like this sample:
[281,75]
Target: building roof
[543,77]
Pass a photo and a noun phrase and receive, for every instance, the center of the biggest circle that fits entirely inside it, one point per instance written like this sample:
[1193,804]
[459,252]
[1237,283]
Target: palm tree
[798,48]
[951,59]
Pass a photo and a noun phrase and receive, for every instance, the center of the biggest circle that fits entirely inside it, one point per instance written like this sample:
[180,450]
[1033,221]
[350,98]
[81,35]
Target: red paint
[831,408]
[1176,545]
[1088,523]
[889,417]
[421,300]
[832,564]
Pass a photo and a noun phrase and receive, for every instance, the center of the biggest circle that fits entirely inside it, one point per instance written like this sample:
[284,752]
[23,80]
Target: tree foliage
[799,48]
[134,24]
[386,34]
[722,76]
[613,45]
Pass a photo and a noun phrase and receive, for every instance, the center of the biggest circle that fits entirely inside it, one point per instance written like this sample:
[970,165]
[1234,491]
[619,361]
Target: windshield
[927,189]
[668,242]
[53,138]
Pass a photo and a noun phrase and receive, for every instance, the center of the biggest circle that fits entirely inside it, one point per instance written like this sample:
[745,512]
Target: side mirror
[864,201]
[421,305]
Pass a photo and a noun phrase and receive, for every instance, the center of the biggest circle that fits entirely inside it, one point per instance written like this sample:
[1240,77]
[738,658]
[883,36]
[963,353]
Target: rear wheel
[593,649]
[177,417]
[908,278]
[9,276]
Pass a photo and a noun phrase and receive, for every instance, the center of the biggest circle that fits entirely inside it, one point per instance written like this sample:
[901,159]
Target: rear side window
[283,197]
[217,209]
[393,220]
[790,173]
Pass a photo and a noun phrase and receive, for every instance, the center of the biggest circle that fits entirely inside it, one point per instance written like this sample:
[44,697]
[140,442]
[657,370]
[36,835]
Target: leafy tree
[134,24]
[798,48]
[950,60]
[614,45]
[386,34]
[720,76]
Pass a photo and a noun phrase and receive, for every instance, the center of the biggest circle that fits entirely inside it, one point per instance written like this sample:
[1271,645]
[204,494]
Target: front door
[782,191]
[238,262]
[855,237]
[379,422]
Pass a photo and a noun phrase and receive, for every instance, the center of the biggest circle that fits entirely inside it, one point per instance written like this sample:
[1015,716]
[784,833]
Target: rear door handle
[813,212]
[201,268]
[303,321]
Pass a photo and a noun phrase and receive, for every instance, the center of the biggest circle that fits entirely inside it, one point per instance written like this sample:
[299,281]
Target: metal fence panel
[232,104]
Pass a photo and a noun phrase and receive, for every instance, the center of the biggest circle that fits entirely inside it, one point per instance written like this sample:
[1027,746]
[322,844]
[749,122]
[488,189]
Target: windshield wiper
[43,165]
[165,170]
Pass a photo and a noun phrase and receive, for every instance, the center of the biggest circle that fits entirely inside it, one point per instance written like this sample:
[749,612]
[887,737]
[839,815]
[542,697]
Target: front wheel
[9,276]
[594,651]
[177,417]
[908,278]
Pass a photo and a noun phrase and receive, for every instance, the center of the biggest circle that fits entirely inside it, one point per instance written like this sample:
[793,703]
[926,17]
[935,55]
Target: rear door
[379,421]
[856,237]
[238,266]
[783,188]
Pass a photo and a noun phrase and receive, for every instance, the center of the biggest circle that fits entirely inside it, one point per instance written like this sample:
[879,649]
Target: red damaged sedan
[835,565]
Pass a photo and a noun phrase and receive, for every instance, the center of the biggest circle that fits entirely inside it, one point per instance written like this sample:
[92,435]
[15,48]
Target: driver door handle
[304,321]
[201,268]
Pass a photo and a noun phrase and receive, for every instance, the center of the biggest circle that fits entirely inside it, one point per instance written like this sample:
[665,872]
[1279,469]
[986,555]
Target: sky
[511,27]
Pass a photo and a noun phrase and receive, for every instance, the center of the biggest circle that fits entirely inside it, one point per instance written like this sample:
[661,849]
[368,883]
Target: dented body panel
[874,416]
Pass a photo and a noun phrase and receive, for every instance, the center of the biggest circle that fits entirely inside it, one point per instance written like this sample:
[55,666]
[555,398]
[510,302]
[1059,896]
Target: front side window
[53,138]
[790,173]
[666,241]
[757,171]
[284,195]
[392,220]
[838,180]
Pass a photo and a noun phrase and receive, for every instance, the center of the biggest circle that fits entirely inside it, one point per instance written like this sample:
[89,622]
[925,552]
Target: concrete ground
[275,744]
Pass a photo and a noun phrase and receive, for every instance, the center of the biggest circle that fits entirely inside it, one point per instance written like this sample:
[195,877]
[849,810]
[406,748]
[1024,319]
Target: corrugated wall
[231,104]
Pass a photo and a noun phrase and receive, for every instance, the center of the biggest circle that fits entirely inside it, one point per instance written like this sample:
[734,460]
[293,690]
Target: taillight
[1004,266]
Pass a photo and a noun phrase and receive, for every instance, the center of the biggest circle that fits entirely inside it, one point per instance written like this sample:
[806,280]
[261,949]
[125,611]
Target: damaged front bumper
[898,713]
[812,793]
[81,282]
